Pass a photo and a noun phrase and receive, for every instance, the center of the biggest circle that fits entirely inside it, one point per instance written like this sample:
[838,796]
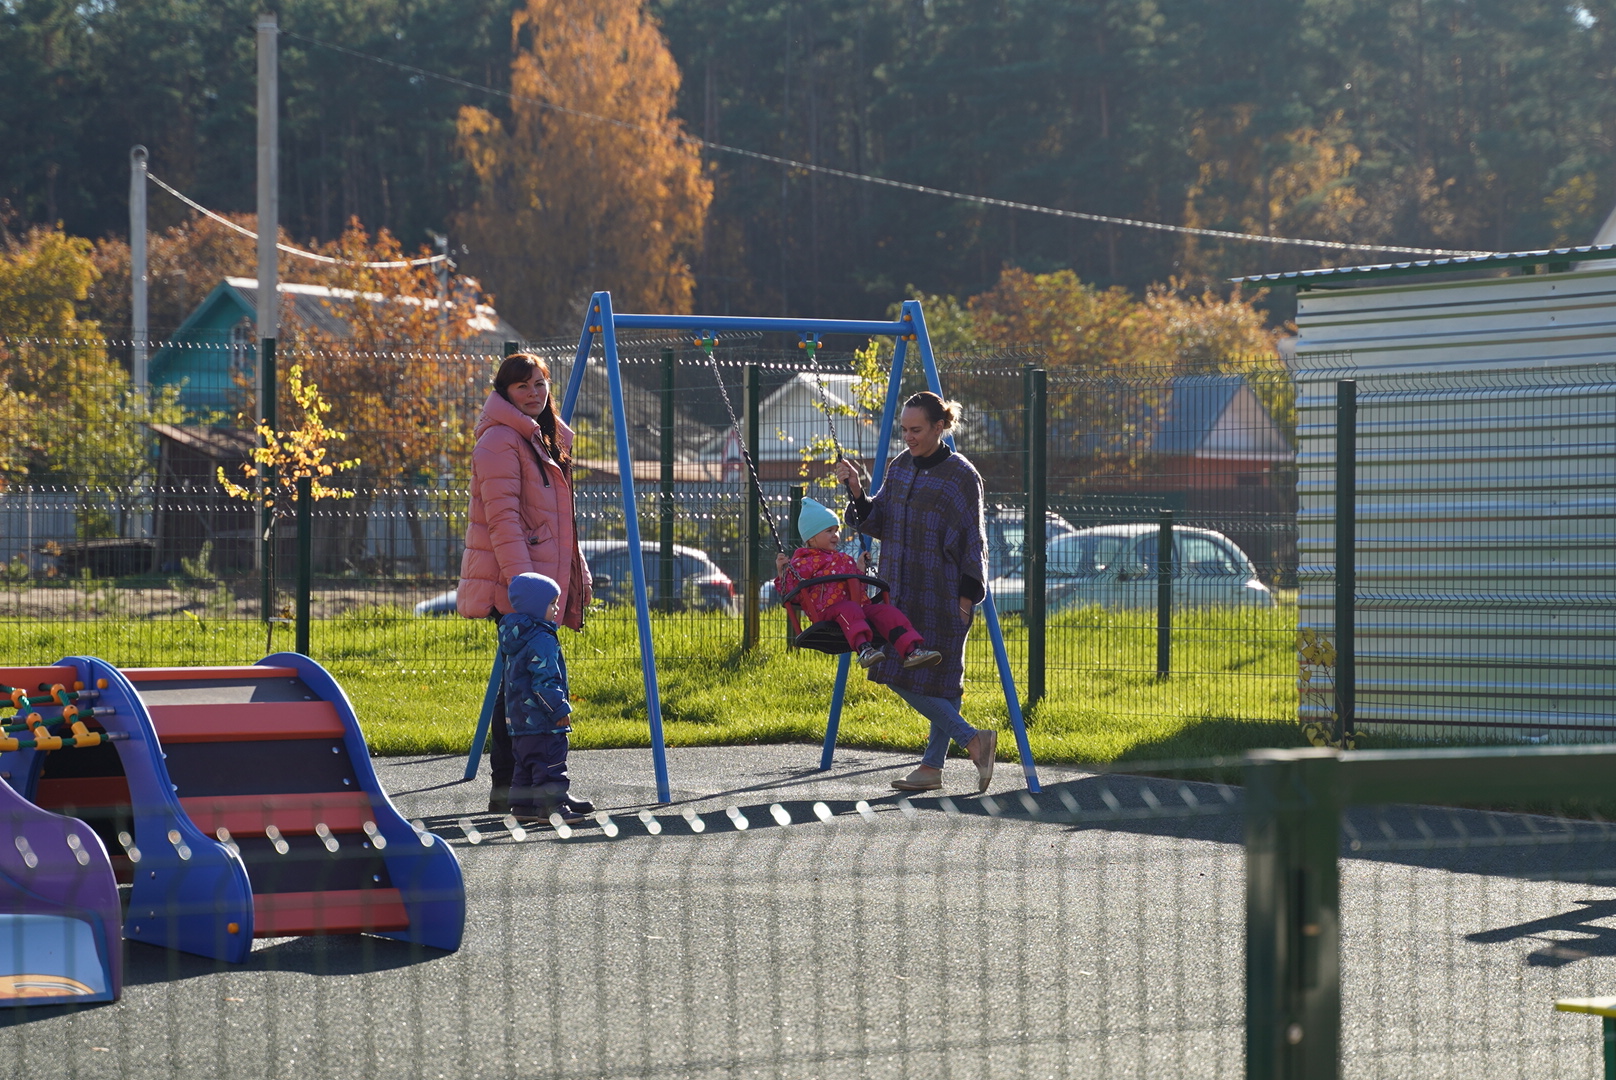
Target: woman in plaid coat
[928,517]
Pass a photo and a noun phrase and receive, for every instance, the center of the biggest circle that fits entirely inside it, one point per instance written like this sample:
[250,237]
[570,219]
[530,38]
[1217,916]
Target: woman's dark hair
[934,407]
[518,367]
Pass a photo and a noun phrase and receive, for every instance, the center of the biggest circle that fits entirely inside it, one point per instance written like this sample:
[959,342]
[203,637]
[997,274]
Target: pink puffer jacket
[521,518]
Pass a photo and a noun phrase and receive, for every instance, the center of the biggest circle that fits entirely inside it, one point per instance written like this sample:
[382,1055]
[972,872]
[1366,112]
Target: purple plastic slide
[61,929]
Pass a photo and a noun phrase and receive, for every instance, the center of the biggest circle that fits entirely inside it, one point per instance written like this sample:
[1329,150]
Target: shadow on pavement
[337,954]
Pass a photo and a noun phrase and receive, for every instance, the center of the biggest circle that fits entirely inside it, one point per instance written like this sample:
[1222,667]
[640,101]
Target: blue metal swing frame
[601,320]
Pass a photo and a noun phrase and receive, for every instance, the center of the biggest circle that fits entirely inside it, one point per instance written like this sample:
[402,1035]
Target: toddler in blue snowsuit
[537,710]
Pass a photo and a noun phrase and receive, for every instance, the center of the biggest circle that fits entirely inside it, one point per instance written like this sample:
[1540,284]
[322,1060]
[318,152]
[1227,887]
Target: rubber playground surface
[798,935]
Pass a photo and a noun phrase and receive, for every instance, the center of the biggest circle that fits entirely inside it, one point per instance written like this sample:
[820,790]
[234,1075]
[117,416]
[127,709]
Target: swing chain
[810,343]
[706,343]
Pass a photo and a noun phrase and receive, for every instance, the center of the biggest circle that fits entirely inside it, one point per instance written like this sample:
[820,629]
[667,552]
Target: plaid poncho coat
[929,522]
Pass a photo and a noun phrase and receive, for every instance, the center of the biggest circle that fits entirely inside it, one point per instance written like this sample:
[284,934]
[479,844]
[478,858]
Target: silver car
[1114,566]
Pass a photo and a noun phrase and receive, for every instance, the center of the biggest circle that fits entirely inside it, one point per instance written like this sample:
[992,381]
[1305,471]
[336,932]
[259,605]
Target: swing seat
[826,635]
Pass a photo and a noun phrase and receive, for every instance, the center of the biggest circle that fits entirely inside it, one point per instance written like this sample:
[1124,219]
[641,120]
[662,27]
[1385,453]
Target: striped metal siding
[1486,502]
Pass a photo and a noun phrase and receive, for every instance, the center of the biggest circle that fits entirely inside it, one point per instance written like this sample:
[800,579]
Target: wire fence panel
[1207,637]
[1484,540]
[761,926]
[162,566]
[1460,930]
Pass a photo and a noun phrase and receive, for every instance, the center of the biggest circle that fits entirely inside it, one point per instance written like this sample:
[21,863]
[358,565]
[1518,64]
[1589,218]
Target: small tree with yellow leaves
[285,459]
[1316,658]
[869,396]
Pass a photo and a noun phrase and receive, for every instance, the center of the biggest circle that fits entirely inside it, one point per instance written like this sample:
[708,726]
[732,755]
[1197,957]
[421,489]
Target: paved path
[958,938]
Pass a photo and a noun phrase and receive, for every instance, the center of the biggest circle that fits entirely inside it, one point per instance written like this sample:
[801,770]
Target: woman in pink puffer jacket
[521,519]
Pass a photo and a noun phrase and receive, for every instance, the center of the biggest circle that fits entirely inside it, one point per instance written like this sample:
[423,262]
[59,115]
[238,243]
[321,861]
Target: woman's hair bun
[935,408]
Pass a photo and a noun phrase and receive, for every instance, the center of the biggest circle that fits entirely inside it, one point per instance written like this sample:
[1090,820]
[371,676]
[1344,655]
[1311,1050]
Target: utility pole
[268,268]
[441,242]
[139,324]
[268,177]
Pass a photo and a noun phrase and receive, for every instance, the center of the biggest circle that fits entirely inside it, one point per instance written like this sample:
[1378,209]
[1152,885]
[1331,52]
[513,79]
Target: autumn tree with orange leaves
[568,204]
[1126,349]
[393,366]
[392,361]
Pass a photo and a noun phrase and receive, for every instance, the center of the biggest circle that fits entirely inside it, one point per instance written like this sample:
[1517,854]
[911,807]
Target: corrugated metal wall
[1486,553]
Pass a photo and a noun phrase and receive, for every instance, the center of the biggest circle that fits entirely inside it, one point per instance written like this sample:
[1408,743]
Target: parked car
[1007,535]
[1114,566]
[697,580]
[441,604]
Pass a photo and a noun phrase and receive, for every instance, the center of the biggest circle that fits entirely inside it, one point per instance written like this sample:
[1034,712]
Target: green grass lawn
[417,682]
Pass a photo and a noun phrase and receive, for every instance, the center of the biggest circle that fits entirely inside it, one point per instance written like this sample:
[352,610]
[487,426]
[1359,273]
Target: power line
[901,185]
[395,264]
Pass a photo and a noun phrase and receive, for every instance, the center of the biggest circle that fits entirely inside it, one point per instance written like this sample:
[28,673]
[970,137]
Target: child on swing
[847,601]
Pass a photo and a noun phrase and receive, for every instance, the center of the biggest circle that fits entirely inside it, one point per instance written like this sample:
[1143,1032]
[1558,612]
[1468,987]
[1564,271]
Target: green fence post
[305,559]
[751,539]
[266,411]
[1293,889]
[1346,558]
[665,510]
[1164,595]
[1035,535]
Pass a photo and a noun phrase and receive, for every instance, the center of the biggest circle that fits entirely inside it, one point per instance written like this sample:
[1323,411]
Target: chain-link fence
[130,547]
[769,922]
[776,920]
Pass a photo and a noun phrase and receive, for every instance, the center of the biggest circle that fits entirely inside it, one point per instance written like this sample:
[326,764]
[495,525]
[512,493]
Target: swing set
[910,326]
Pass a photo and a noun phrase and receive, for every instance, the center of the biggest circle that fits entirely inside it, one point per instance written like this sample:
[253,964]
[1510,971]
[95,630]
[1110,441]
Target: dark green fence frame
[1294,802]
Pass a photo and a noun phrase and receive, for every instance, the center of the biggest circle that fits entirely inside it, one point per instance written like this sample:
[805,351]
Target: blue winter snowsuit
[537,709]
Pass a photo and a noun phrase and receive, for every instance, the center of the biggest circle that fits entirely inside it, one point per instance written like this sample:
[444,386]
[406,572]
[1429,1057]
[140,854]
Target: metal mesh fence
[775,920]
[1460,930]
[779,921]
[767,923]
[1482,509]
[161,564]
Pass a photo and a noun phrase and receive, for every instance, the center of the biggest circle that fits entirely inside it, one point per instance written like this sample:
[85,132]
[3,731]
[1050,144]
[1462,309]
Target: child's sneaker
[547,813]
[920,656]
[869,656]
[576,805]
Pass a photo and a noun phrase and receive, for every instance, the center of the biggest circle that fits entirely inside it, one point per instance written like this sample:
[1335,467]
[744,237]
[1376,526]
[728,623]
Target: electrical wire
[901,185]
[396,264]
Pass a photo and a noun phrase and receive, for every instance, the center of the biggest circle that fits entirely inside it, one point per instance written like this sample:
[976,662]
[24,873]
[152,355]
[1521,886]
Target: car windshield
[1084,556]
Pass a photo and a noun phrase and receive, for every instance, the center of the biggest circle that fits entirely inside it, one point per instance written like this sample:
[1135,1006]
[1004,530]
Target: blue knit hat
[532,594]
[814,519]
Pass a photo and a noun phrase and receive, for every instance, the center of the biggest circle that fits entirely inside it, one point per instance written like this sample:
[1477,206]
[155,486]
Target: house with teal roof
[213,354]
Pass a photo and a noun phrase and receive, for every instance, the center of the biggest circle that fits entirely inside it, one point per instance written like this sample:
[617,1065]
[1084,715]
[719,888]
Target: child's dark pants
[540,778]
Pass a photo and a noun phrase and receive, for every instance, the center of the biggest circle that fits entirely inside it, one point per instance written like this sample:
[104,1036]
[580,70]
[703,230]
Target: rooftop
[1554,259]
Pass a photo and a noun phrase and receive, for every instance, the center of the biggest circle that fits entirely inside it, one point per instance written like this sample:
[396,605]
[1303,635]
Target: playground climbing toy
[240,802]
[59,913]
